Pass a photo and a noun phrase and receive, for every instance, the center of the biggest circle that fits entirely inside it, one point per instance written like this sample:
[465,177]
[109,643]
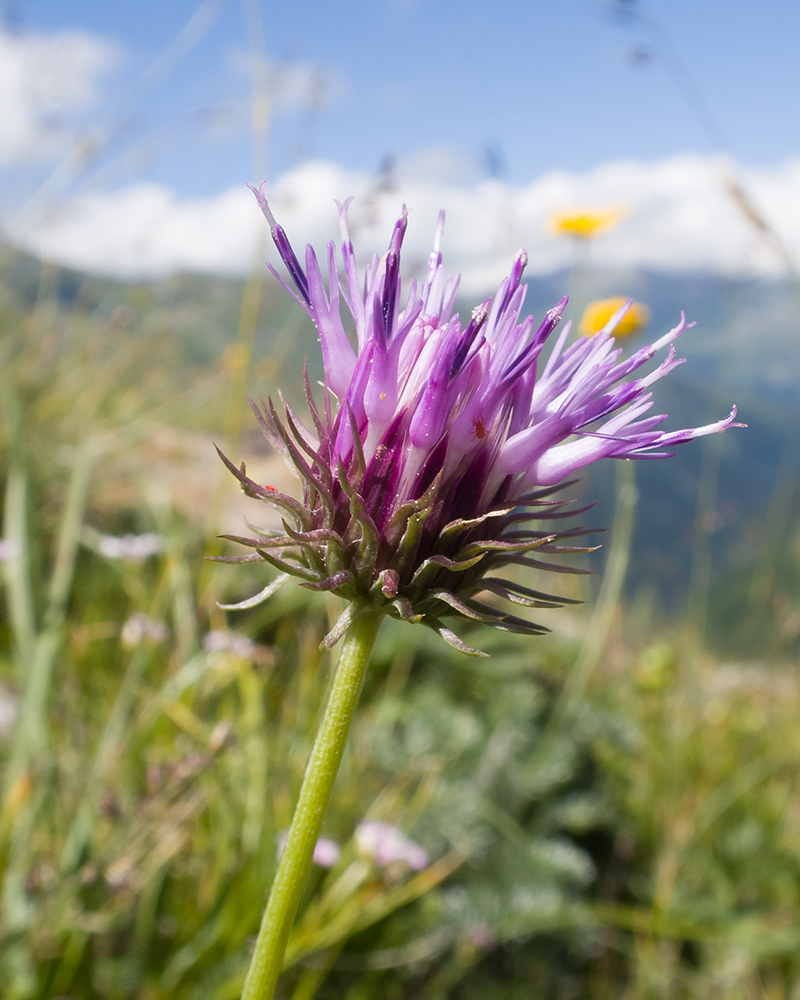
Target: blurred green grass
[638,838]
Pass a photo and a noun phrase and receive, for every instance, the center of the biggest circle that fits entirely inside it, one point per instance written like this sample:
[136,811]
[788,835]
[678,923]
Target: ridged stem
[315,793]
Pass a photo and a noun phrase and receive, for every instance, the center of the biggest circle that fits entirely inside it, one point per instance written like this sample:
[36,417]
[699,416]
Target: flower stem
[611,590]
[315,793]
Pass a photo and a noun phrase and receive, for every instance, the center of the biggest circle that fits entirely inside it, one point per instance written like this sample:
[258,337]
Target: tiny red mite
[272,489]
[478,429]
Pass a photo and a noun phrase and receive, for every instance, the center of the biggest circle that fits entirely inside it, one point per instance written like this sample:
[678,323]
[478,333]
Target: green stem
[19,590]
[315,793]
[19,586]
[700,579]
[83,822]
[31,729]
[610,592]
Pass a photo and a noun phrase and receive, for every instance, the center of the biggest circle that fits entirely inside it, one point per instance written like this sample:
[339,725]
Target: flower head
[436,442]
[225,641]
[585,223]
[386,844]
[133,548]
[9,549]
[634,317]
[140,627]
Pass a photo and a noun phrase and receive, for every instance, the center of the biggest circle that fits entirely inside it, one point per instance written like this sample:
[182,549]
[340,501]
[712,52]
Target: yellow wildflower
[599,312]
[584,223]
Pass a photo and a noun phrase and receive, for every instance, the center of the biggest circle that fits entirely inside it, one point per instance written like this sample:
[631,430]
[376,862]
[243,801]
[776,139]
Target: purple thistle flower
[437,443]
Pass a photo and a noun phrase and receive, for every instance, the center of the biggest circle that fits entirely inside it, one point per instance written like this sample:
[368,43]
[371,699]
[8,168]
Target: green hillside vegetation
[610,811]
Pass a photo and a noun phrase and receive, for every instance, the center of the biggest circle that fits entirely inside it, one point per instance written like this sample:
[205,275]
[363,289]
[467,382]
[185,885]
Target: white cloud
[145,230]
[44,79]
[680,218]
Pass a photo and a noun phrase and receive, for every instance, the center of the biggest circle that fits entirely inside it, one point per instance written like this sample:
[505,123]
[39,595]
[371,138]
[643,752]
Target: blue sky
[456,92]
[521,89]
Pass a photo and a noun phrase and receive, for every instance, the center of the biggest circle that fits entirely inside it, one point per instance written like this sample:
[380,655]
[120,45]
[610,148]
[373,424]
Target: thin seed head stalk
[432,462]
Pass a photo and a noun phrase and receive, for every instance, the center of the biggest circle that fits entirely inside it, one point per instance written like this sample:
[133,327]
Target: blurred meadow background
[610,811]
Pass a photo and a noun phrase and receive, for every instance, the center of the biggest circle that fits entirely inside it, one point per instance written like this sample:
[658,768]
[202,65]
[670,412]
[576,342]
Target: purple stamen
[477,320]
[281,241]
[391,289]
